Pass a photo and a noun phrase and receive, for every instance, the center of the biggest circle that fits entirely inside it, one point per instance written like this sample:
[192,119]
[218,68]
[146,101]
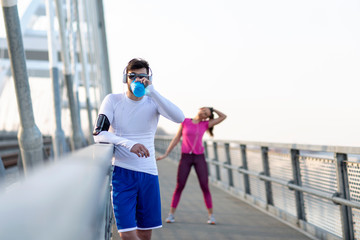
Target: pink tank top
[192,136]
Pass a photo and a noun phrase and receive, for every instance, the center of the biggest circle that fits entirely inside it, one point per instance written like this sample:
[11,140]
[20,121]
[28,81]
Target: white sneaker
[211,220]
[170,218]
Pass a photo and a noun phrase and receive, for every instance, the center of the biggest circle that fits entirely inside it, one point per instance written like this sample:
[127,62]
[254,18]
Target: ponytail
[210,130]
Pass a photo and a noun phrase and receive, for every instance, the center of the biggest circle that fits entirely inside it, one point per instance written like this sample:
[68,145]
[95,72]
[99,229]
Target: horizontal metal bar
[214,162]
[310,191]
[275,180]
[329,196]
[228,166]
[343,201]
[249,172]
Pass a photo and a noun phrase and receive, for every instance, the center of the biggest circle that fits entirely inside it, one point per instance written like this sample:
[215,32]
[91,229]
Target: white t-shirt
[134,122]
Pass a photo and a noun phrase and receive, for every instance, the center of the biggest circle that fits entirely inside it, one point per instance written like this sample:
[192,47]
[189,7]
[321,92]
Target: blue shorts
[136,200]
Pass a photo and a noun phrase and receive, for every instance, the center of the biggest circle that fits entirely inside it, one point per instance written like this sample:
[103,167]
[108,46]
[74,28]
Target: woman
[192,154]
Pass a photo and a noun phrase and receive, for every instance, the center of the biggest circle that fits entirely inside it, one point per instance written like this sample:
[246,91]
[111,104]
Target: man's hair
[137,63]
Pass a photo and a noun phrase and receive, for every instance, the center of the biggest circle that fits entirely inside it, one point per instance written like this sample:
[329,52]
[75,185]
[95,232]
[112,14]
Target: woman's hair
[137,63]
[210,130]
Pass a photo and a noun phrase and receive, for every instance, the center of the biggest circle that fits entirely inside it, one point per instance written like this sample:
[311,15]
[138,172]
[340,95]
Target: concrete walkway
[235,219]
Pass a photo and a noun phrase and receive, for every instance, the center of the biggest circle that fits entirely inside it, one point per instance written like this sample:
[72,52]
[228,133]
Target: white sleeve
[108,137]
[165,107]
[107,108]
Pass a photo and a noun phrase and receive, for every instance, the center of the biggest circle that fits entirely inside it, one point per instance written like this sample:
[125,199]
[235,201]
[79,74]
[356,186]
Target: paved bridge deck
[236,219]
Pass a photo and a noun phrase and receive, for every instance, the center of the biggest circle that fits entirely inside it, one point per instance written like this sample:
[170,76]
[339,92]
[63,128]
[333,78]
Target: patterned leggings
[186,162]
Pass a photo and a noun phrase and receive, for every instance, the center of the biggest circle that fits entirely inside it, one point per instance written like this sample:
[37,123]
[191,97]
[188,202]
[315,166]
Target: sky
[281,70]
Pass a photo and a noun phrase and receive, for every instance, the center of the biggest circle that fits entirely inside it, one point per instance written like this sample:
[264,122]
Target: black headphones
[125,75]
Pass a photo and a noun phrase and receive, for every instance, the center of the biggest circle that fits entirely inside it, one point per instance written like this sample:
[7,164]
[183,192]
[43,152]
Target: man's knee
[131,235]
[135,235]
[144,234]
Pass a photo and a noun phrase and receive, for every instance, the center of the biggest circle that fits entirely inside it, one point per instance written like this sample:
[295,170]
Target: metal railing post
[343,190]
[299,198]
[216,158]
[109,209]
[206,151]
[266,168]
[2,170]
[29,135]
[245,167]
[228,162]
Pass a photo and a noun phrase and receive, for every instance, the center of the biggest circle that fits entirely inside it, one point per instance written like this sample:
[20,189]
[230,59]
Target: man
[130,122]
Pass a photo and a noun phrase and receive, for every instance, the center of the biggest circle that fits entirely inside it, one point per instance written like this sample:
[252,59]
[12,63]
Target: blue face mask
[137,88]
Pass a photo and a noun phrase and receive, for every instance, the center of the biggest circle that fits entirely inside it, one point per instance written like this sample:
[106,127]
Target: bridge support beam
[84,71]
[78,140]
[103,45]
[29,136]
[59,142]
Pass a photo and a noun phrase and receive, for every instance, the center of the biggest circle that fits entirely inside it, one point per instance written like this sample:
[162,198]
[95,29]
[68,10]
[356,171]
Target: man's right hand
[140,150]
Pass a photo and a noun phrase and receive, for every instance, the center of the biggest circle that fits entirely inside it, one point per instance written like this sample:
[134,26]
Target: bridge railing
[66,199]
[313,188]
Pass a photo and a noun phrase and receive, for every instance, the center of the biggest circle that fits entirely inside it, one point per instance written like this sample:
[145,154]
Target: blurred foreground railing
[67,199]
[312,188]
